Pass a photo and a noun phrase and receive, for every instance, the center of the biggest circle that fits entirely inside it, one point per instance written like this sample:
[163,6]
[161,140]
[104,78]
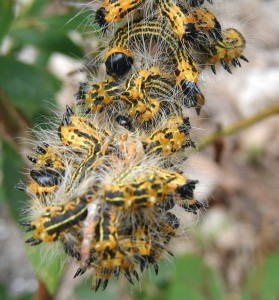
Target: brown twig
[12,121]
[42,292]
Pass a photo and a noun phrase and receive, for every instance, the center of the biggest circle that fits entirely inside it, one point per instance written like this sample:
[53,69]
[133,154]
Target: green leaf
[186,278]
[28,88]
[48,265]
[78,21]
[11,168]
[35,8]
[6,17]
[192,279]
[270,288]
[262,280]
[49,41]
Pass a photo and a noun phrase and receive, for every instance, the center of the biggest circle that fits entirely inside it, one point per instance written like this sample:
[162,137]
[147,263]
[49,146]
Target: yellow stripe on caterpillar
[57,220]
[114,11]
[229,50]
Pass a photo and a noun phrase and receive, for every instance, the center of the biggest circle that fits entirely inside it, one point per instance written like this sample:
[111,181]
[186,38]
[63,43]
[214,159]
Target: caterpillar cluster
[108,186]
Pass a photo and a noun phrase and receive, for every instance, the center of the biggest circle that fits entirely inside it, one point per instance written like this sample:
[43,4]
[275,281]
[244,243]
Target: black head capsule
[118,64]
[125,122]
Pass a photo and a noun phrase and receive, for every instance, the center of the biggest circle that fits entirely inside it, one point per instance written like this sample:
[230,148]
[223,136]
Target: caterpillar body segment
[47,158]
[208,25]
[173,137]
[181,21]
[138,90]
[115,11]
[151,189]
[138,93]
[103,156]
[186,76]
[136,195]
[96,97]
[57,220]
[80,133]
[227,51]
[106,232]
[33,188]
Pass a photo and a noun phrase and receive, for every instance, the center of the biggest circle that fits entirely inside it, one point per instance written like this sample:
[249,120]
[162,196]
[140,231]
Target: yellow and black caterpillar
[109,186]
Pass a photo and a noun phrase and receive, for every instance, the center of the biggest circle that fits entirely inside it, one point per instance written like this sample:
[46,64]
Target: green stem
[244,123]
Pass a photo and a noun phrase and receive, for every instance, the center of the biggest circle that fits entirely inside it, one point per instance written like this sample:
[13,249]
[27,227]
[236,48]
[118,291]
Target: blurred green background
[231,250]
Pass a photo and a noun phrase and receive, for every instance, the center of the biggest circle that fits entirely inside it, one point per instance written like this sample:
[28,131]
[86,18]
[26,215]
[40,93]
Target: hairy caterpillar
[207,23]
[119,59]
[136,92]
[46,174]
[107,189]
[170,138]
[115,11]
[226,51]
[181,21]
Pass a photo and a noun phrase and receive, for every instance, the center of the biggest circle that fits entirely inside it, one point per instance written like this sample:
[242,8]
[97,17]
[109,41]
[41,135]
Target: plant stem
[242,124]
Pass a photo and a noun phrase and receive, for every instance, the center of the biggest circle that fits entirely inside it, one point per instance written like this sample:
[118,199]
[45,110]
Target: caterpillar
[56,220]
[115,11]
[181,21]
[170,138]
[207,23]
[119,59]
[226,51]
[137,92]
[109,187]
[97,96]
[46,174]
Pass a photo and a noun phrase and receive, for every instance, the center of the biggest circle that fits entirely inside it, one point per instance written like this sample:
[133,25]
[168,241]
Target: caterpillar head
[118,61]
